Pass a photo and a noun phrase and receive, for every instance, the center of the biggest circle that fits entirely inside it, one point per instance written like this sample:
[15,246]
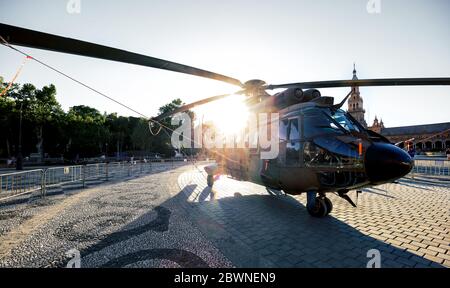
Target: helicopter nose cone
[386,163]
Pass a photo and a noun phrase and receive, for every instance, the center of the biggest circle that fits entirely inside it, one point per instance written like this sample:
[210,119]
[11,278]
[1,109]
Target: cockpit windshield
[341,118]
[326,121]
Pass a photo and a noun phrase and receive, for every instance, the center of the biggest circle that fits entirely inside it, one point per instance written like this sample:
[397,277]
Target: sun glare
[229,115]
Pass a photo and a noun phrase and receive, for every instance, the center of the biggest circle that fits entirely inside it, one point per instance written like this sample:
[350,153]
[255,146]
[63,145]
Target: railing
[433,167]
[15,184]
[59,175]
[41,180]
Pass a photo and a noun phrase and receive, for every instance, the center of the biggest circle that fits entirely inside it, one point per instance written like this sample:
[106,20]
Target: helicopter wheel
[319,209]
[329,205]
[210,180]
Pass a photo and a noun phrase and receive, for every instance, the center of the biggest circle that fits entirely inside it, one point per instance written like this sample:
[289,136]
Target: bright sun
[229,115]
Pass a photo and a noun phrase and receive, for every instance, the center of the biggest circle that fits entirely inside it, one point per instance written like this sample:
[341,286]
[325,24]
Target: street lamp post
[106,152]
[19,161]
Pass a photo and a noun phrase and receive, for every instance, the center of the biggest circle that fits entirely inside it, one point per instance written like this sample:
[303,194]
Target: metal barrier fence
[15,184]
[433,167]
[59,175]
[40,180]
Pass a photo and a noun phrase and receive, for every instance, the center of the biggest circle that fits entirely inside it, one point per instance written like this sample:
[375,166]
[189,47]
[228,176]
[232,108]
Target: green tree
[86,129]
[82,131]
[7,105]
[161,142]
[120,133]
[39,107]
[141,137]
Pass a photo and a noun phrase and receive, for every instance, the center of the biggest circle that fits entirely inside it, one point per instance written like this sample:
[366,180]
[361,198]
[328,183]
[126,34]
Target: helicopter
[322,148]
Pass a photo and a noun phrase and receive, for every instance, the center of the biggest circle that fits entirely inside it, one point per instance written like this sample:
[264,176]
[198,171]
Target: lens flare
[228,115]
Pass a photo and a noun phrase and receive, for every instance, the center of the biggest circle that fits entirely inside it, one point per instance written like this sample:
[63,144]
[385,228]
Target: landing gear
[211,170]
[319,209]
[318,206]
[328,204]
[210,181]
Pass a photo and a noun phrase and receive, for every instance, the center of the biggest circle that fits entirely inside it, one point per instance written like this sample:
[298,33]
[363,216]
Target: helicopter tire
[329,205]
[319,209]
[210,181]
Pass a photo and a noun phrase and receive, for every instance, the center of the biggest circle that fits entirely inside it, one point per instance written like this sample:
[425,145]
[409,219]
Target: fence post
[83,171]
[43,182]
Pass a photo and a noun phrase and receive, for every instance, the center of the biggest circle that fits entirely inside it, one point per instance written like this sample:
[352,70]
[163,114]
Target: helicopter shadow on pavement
[160,234]
[279,232]
[249,230]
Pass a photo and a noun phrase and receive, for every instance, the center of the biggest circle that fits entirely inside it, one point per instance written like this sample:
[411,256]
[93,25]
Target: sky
[277,41]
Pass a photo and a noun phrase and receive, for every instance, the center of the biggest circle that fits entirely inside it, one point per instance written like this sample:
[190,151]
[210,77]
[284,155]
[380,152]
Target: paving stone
[437,249]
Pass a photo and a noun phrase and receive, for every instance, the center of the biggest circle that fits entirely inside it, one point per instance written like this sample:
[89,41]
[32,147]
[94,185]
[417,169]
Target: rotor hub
[254,84]
[255,90]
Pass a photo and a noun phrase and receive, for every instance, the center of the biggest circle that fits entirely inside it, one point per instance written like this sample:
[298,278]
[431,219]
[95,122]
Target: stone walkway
[172,219]
[407,222]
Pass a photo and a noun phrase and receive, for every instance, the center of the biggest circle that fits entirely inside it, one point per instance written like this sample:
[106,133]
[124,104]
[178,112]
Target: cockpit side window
[284,125]
[292,138]
[294,131]
[315,123]
[290,129]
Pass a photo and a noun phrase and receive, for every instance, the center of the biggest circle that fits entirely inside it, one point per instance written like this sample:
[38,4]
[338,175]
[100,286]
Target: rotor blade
[34,39]
[192,105]
[364,82]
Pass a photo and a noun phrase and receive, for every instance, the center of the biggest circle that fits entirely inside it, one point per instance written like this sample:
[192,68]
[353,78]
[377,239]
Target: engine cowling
[293,96]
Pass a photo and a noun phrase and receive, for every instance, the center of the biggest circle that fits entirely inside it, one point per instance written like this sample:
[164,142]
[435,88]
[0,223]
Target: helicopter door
[290,147]
[270,168]
[290,142]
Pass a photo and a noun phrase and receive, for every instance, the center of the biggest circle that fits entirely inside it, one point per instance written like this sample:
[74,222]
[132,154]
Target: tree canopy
[82,131]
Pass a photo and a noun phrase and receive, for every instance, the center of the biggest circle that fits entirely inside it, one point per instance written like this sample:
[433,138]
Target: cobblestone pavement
[172,219]
[407,222]
[134,223]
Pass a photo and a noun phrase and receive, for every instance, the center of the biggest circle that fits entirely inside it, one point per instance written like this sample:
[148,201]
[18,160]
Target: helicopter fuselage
[321,149]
